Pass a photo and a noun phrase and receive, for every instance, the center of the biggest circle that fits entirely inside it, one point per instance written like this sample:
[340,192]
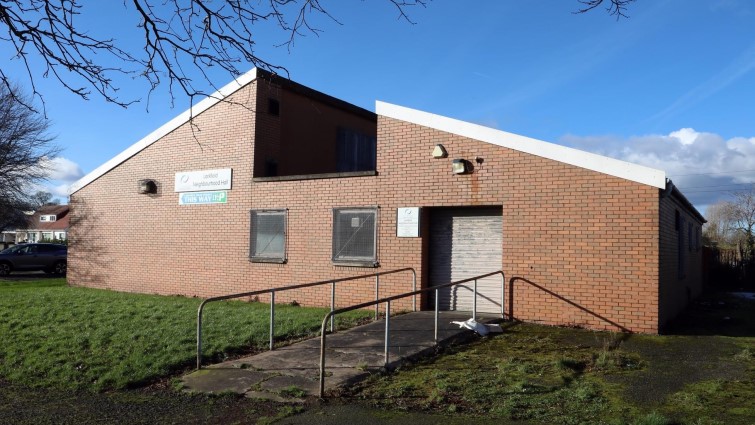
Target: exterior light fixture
[147,186]
[439,151]
[459,166]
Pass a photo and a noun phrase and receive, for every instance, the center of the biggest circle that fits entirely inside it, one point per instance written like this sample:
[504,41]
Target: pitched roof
[567,155]
[60,223]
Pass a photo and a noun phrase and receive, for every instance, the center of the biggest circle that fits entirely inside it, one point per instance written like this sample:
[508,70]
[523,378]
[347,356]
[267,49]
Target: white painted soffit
[166,128]
[571,156]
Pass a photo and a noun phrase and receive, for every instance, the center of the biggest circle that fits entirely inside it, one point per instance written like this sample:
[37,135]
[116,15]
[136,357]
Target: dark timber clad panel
[465,242]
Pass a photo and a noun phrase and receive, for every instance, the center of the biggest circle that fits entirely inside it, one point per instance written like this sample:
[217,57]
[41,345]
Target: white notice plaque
[407,222]
[196,181]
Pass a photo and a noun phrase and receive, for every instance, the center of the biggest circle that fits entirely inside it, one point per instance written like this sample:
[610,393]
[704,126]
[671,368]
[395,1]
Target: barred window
[355,236]
[268,236]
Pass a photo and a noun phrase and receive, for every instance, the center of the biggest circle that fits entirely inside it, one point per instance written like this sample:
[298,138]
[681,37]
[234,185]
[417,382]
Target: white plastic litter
[472,325]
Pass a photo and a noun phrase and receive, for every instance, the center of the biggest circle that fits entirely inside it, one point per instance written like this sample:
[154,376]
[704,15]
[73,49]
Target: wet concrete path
[293,372]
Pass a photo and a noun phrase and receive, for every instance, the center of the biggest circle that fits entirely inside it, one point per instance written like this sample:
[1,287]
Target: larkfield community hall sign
[194,181]
[192,186]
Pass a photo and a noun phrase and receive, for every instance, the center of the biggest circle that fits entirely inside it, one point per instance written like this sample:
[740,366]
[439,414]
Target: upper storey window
[355,151]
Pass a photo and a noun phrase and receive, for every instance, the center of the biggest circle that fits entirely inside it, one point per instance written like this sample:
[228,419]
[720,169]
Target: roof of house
[60,223]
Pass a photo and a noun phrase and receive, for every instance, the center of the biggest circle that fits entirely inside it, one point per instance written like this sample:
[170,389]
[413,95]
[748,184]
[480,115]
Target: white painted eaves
[567,155]
[166,128]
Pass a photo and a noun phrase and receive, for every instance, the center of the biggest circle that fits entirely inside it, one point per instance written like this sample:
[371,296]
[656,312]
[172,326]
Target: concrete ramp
[292,372]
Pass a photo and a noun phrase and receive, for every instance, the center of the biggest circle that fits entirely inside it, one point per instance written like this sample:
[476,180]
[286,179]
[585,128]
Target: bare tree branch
[616,8]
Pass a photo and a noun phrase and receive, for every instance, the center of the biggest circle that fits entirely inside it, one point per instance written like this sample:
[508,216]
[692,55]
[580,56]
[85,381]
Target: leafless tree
[42,199]
[617,8]
[181,39]
[732,223]
[25,147]
[718,230]
[741,212]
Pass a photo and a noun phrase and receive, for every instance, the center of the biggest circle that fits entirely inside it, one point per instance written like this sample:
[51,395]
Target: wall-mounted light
[147,186]
[439,151]
[459,166]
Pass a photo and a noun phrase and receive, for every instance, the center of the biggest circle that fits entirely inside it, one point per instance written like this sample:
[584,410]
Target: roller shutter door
[465,242]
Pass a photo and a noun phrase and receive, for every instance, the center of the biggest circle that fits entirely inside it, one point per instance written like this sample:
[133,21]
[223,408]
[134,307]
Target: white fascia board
[166,128]
[571,156]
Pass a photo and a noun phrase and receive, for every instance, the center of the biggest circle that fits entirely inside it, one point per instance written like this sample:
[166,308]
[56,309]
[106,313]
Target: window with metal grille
[355,236]
[268,236]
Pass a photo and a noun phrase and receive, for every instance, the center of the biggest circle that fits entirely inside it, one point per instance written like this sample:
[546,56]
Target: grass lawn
[540,374]
[55,336]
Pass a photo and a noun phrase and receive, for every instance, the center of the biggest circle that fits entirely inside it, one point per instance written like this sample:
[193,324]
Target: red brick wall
[302,139]
[125,241]
[582,247]
[678,287]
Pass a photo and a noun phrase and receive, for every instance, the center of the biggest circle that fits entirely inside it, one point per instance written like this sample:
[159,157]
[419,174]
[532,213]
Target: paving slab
[351,355]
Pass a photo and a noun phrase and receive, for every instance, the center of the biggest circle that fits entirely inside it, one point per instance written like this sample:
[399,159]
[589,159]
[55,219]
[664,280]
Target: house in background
[284,184]
[49,223]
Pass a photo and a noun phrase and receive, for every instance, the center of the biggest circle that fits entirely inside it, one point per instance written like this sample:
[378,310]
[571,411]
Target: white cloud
[705,166]
[61,173]
[59,191]
[64,169]
[686,135]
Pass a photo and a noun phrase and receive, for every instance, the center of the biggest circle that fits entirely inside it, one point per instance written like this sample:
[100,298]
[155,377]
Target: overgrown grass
[549,375]
[525,376]
[715,402]
[78,338]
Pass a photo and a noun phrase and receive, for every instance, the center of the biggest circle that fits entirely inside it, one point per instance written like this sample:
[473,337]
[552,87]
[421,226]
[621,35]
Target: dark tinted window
[356,151]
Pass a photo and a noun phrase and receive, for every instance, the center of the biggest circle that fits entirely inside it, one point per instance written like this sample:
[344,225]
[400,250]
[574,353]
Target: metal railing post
[332,304]
[377,296]
[474,301]
[199,336]
[437,309]
[503,294]
[414,289]
[272,318]
[322,356]
[387,329]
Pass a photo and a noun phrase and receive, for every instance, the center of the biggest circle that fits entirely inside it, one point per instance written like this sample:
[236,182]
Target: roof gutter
[672,190]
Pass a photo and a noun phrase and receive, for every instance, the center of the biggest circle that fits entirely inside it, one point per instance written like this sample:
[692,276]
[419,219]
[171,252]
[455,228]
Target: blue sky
[672,87]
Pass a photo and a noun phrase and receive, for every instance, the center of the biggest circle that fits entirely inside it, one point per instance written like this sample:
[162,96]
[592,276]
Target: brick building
[278,184]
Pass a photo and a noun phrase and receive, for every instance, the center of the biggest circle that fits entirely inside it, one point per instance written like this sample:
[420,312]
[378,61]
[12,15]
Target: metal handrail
[272,292]
[387,301]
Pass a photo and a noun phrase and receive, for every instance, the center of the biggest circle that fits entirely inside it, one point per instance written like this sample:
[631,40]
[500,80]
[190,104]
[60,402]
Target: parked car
[51,258]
